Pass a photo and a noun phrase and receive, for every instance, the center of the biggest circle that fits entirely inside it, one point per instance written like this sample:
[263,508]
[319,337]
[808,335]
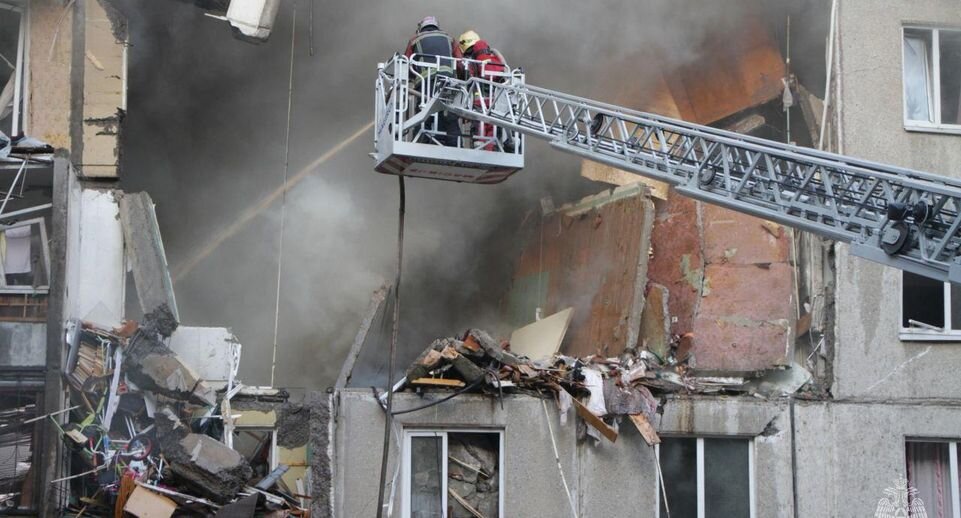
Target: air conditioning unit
[252,19]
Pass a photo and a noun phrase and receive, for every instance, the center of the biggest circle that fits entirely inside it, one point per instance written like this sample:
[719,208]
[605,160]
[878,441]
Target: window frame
[18,116]
[752,505]
[443,433]
[916,334]
[44,245]
[924,126]
[953,461]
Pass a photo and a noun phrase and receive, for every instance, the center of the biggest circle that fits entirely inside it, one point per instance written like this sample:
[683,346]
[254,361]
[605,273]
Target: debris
[460,500]
[144,503]
[206,464]
[773,228]
[595,421]
[438,382]
[645,428]
[542,339]
[272,478]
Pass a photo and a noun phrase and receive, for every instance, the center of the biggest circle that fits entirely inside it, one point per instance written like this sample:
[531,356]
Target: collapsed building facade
[723,361]
[808,383]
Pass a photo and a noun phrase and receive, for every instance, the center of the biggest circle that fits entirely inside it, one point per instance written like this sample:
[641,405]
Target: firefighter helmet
[428,21]
[467,40]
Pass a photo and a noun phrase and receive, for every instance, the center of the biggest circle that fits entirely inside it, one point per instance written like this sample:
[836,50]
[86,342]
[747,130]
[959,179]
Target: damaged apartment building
[660,356]
[672,358]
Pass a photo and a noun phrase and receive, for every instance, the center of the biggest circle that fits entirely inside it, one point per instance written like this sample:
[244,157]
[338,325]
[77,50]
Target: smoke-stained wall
[205,136]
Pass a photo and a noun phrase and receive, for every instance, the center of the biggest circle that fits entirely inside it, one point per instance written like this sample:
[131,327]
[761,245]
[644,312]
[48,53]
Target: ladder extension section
[902,218]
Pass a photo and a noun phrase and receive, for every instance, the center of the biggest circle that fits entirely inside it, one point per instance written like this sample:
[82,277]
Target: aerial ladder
[902,218]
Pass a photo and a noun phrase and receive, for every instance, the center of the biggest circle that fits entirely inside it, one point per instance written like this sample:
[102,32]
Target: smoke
[205,136]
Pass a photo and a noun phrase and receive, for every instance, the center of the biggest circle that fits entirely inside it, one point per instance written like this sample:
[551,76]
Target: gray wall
[608,479]
[849,452]
[22,344]
[870,360]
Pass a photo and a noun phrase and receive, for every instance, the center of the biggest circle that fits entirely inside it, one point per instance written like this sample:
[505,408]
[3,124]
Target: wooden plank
[647,430]
[347,368]
[438,382]
[463,502]
[595,421]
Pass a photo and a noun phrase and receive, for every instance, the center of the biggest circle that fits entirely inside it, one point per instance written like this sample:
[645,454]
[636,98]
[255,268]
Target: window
[930,309]
[931,65]
[706,477]
[452,474]
[12,58]
[24,257]
[932,469]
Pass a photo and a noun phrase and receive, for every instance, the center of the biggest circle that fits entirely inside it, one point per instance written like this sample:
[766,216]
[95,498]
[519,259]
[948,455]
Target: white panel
[207,350]
[95,258]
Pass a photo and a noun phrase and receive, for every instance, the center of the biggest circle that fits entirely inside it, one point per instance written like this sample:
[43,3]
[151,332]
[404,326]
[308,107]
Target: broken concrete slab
[656,321]
[145,251]
[155,367]
[209,466]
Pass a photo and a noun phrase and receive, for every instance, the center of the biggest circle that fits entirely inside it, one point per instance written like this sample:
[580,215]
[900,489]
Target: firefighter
[433,45]
[474,48]
[486,63]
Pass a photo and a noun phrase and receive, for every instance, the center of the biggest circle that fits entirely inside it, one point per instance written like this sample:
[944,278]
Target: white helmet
[428,21]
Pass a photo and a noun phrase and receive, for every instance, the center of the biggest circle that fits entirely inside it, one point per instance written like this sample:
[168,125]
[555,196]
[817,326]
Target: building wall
[609,479]
[870,359]
[22,344]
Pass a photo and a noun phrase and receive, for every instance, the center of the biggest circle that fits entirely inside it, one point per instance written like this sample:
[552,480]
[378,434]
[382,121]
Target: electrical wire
[441,400]
[283,203]
[388,418]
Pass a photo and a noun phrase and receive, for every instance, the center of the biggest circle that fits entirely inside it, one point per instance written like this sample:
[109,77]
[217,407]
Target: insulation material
[104,94]
[144,503]
[542,339]
[592,256]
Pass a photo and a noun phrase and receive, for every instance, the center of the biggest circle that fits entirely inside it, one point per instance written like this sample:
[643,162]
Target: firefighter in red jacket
[432,45]
[486,63]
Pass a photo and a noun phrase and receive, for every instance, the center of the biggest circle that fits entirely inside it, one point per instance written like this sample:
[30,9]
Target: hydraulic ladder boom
[898,217]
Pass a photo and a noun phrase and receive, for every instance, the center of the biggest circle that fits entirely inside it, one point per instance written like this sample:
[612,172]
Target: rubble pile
[602,390]
[146,433]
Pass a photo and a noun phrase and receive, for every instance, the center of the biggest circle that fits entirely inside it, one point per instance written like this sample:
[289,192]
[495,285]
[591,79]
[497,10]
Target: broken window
[930,309]
[706,477]
[452,474]
[24,257]
[932,79]
[932,469]
[12,58]
[18,429]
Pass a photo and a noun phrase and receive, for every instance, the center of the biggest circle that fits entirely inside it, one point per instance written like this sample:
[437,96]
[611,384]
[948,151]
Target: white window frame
[44,245]
[442,433]
[918,334]
[701,506]
[19,106]
[953,461]
[925,126]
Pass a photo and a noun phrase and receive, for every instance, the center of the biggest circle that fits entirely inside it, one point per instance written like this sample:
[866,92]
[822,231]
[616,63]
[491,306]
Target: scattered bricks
[492,347]
[207,465]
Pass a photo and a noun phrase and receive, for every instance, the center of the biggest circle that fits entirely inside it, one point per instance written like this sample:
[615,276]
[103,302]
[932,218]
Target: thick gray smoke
[205,136]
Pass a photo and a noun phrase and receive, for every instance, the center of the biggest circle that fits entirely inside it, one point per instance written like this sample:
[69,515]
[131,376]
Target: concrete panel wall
[95,257]
[871,361]
[22,344]
[48,76]
[608,479]
[848,453]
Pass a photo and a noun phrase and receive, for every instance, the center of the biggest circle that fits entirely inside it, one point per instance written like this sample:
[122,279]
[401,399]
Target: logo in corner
[901,502]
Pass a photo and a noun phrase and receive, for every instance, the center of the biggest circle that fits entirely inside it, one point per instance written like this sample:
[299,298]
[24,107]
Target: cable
[388,418]
[441,400]
[283,203]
